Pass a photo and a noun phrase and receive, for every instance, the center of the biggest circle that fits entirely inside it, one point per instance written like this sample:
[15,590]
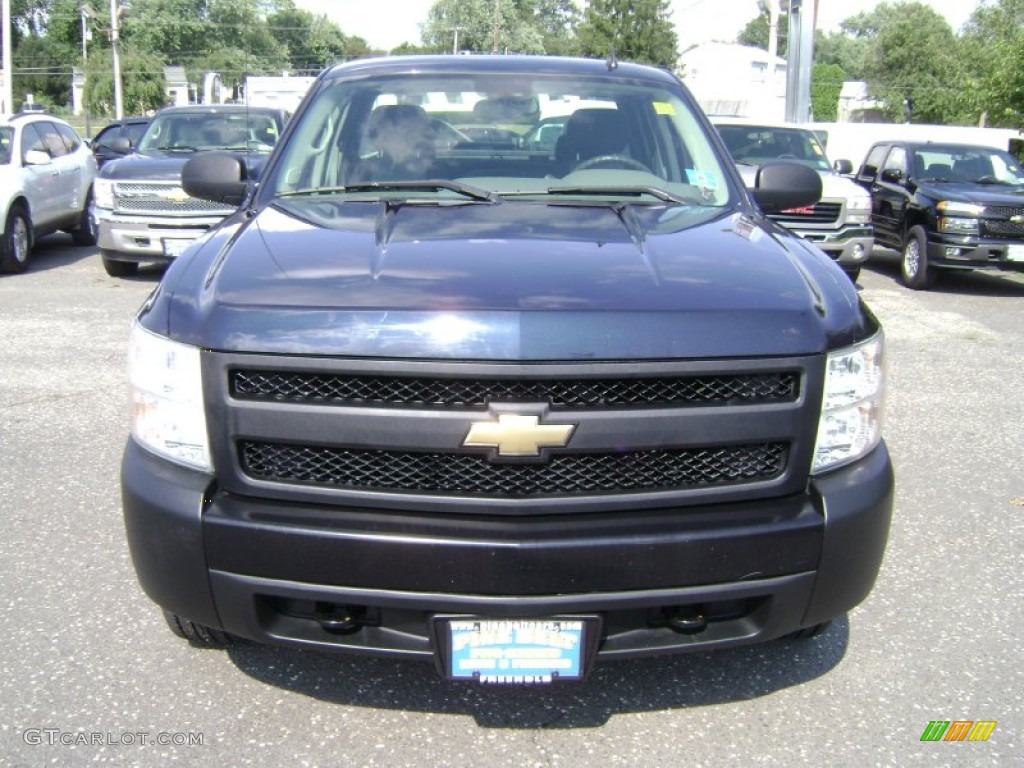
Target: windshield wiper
[177,148]
[633,191]
[427,185]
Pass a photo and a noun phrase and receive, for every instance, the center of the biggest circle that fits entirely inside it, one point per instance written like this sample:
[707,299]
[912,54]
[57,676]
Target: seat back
[591,133]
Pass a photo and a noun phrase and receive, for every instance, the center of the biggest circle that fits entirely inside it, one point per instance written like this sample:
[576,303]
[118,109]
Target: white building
[736,80]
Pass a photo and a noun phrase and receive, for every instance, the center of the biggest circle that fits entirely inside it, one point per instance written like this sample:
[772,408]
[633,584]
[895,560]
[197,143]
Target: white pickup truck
[839,223]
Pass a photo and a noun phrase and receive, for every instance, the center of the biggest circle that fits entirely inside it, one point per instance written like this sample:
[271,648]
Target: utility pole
[455,43]
[87,13]
[497,27]
[115,46]
[8,92]
[803,16]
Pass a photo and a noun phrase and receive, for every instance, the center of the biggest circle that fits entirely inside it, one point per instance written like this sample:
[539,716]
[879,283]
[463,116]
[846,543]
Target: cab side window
[31,140]
[869,171]
[71,139]
[52,142]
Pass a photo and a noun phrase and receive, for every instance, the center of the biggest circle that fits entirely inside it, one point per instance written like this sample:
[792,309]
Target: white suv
[46,175]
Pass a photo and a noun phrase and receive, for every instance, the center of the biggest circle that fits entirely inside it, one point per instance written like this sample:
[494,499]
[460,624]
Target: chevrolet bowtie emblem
[1017,219]
[516,435]
[176,195]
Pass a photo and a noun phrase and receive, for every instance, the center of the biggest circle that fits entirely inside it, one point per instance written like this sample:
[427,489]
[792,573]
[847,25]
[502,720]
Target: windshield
[6,139]
[194,131]
[966,164]
[757,144]
[501,135]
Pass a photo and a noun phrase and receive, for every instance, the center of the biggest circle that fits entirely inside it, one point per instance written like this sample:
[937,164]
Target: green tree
[142,78]
[311,42]
[913,63]
[637,30]
[992,47]
[475,22]
[758,28]
[826,84]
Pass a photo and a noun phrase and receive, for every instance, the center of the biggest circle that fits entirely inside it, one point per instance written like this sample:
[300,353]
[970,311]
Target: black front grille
[819,213]
[1002,228]
[1003,211]
[345,389]
[471,474]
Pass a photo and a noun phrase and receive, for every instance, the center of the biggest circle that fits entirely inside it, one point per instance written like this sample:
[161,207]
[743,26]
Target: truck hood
[962,192]
[508,281]
[165,166]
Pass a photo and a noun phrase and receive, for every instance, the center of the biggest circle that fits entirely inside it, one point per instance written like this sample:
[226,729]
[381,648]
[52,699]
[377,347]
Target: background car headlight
[958,225]
[858,210]
[851,411]
[103,193]
[167,399]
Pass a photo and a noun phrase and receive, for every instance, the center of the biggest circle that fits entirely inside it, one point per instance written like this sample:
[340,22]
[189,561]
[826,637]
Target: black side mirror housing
[122,145]
[780,186]
[217,176]
[893,175]
[843,167]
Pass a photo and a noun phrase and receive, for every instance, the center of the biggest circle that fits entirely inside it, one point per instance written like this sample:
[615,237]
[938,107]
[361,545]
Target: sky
[385,24]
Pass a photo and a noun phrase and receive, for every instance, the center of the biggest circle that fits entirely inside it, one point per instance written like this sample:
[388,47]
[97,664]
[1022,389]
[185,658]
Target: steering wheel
[629,162]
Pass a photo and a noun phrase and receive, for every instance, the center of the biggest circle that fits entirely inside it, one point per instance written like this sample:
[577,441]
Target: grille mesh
[401,471]
[566,393]
[152,198]
[819,213]
[1001,228]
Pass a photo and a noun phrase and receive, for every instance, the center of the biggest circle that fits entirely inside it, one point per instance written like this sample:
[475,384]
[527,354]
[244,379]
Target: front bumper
[850,246]
[975,253]
[136,238]
[276,572]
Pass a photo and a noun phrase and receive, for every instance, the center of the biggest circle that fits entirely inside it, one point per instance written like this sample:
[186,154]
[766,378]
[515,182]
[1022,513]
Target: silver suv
[46,174]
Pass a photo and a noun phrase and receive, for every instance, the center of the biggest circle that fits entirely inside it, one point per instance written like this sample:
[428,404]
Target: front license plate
[1015,253]
[516,651]
[174,247]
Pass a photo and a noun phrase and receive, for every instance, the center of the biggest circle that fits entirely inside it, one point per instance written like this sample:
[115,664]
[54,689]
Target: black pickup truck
[437,390]
[946,206]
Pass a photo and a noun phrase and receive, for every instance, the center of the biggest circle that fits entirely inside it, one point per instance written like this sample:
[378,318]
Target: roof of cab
[481,64]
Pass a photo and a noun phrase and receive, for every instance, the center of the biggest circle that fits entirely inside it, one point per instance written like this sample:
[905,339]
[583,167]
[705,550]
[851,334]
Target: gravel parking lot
[91,674]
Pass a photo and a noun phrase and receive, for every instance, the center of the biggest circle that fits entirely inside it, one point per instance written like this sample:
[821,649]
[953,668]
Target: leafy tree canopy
[637,30]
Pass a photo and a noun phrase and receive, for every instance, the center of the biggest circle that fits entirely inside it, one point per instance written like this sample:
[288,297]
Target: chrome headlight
[858,210]
[168,417]
[851,411]
[103,193]
[958,225]
[953,208]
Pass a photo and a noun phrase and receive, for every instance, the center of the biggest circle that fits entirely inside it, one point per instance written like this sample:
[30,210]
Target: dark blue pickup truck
[440,390]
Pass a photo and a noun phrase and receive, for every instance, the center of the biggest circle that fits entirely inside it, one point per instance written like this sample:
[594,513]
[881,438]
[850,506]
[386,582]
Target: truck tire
[16,243]
[197,634]
[116,268]
[915,271]
[86,233]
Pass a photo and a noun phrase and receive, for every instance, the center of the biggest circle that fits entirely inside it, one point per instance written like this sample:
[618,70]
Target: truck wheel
[198,635]
[914,267]
[853,273]
[809,632]
[117,268]
[17,241]
[86,233]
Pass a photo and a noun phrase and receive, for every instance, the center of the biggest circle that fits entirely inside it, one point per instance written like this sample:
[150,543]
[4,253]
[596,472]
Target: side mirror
[892,175]
[843,167]
[37,157]
[779,186]
[122,145]
[216,176]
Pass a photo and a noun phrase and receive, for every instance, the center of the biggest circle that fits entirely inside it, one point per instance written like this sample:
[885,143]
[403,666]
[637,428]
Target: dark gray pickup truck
[439,391]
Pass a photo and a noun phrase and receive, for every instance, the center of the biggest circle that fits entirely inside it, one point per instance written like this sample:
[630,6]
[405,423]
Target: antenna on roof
[613,60]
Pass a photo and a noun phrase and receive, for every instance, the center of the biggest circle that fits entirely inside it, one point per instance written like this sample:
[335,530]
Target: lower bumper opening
[399,624]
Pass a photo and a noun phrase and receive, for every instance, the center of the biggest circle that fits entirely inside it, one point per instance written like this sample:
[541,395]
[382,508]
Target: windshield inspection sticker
[664,108]
[702,179]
